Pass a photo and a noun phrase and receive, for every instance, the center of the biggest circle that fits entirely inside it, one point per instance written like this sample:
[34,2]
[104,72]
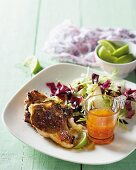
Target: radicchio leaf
[130,112]
[75,101]
[95,78]
[130,94]
[52,87]
[58,88]
[105,85]
[64,93]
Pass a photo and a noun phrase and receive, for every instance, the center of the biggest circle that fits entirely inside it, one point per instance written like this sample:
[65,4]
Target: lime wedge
[105,55]
[108,45]
[82,141]
[33,63]
[104,52]
[121,51]
[35,66]
[125,59]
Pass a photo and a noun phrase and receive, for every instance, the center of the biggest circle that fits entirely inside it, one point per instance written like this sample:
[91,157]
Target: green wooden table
[25,25]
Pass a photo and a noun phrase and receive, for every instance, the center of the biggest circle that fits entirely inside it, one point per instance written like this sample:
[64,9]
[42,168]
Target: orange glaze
[100,125]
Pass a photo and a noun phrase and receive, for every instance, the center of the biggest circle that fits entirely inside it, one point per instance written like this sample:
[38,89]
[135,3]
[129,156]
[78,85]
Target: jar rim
[86,111]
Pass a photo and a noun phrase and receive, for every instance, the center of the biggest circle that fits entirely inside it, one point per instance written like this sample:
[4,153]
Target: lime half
[108,45]
[121,51]
[82,140]
[33,63]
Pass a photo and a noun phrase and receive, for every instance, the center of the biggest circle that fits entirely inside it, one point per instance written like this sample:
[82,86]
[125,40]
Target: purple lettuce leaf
[130,94]
[130,111]
[105,85]
[95,78]
[64,93]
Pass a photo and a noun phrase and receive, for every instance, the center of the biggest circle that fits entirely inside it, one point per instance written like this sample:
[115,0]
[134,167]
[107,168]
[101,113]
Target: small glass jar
[100,118]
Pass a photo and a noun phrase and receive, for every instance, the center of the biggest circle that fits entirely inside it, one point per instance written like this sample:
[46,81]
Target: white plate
[13,117]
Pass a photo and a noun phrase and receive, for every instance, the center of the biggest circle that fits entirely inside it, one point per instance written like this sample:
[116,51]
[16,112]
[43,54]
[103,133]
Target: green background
[25,25]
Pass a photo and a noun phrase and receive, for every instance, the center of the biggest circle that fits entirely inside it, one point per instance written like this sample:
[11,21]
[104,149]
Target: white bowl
[123,69]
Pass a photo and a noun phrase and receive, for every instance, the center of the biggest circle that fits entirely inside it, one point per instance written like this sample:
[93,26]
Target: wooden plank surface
[53,13]
[128,163]
[108,13]
[17,35]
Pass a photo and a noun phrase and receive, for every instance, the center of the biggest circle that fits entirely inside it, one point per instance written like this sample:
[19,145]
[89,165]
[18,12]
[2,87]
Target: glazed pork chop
[32,97]
[48,118]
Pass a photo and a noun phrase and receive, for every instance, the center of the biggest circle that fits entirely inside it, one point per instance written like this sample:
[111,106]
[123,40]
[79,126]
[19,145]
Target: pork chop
[32,97]
[49,118]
